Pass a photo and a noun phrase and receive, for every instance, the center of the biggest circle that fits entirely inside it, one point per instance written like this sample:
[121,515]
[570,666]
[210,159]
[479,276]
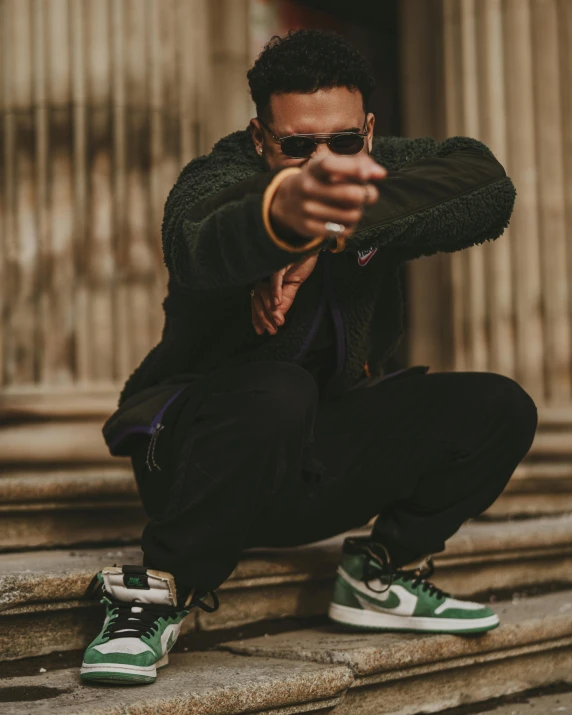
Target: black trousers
[265,460]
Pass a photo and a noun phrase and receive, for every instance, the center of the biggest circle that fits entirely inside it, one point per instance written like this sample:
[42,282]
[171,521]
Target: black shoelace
[133,620]
[379,564]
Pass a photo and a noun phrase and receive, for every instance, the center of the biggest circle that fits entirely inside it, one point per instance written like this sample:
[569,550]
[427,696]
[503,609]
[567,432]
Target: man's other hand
[272,300]
[332,188]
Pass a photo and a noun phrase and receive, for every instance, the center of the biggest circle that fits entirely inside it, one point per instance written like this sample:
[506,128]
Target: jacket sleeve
[221,241]
[456,197]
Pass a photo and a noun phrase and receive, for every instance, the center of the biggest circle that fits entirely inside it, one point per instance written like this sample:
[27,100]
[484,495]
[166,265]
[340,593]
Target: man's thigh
[378,445]
[363,448]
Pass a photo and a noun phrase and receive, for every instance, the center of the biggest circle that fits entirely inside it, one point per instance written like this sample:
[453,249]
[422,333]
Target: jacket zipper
[155,429]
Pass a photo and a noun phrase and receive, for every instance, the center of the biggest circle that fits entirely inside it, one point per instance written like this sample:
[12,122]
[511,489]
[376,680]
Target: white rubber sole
[122,674]
[362,618]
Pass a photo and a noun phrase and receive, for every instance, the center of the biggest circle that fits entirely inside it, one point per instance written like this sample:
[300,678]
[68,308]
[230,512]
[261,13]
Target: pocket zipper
[150,462]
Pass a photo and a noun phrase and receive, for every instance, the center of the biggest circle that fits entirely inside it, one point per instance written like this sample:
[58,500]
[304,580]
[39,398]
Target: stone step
[42,605]
[407,674]
[73,505]
[69,506]
[193,684]
[536,488]
[529,704]
[327,670]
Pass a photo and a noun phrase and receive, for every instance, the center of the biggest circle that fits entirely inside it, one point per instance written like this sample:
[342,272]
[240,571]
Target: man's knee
[511,404]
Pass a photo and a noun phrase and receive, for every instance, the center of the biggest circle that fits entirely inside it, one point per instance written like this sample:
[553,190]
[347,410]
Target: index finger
[358,168]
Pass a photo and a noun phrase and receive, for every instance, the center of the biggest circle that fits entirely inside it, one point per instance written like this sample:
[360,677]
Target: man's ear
[256,133]
[370,126]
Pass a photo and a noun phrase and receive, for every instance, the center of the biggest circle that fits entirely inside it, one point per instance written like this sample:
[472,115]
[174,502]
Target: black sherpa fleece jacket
[437,196]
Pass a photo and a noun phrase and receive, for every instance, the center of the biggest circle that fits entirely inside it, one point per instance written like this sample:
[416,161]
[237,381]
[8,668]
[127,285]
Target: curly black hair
[305,61]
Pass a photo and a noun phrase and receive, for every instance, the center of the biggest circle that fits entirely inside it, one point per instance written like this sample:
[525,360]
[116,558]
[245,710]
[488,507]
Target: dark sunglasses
[301,146]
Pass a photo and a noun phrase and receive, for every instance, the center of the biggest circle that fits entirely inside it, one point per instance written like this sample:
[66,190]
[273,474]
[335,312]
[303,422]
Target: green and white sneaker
[370,594]
[142,624]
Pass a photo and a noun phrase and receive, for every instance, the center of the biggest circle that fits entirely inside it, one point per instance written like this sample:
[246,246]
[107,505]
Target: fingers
[276,281]
[334,169]
[345,196]
[321,213]
[273,317]
[262,316]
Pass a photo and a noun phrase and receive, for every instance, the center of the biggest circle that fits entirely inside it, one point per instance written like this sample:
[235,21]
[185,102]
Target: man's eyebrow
[341,131]
[351,129]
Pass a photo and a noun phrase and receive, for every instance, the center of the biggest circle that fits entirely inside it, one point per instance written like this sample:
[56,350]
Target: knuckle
[354,216]
[309,208]
[306,185]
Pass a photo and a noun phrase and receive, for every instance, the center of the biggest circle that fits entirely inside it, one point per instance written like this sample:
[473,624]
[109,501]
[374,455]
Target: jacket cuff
[267,198]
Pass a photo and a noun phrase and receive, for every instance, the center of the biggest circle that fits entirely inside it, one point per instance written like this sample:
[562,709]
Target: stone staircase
[67,509]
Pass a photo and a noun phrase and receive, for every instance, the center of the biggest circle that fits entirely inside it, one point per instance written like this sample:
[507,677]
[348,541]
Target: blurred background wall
[102,103]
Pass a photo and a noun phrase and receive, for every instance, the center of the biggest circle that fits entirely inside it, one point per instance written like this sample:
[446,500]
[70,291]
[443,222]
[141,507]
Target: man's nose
[322,149]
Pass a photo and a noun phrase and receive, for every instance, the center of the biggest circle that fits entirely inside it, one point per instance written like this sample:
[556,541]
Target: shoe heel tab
[138,584]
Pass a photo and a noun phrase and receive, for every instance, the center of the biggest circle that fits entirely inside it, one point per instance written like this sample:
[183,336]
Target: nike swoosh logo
[391,602]
[364,257]
[171,641]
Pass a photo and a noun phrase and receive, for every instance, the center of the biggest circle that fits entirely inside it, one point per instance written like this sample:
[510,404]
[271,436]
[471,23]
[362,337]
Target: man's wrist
[284,238]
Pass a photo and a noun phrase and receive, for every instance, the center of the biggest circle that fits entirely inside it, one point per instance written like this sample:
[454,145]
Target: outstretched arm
[458,196]
[261,224]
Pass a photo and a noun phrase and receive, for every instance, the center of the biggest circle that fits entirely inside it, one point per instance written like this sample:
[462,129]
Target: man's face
[322,112]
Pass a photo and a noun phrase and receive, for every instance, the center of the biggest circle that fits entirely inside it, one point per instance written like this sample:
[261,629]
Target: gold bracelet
[267,201]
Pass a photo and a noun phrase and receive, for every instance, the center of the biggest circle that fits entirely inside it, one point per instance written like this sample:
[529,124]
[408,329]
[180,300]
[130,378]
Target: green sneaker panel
[406,602]
[142,606]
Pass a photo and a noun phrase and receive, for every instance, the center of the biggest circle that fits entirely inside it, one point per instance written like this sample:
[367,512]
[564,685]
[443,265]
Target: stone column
[102,103]
[500,71]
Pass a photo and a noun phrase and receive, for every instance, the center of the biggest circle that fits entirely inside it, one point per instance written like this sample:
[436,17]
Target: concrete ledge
[529,504]
[405,674]
[267,584]
[317,670]
[69,505]
[527,621]
[193,684]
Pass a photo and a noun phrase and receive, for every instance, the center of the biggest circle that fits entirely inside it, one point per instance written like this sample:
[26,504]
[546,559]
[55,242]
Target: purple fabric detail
[143,429]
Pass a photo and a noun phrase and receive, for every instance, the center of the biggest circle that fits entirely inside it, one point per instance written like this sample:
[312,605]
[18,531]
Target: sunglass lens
[298,147]
[346,144]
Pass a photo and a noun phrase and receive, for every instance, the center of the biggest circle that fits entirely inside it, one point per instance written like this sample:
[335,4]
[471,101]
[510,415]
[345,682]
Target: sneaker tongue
[137,584]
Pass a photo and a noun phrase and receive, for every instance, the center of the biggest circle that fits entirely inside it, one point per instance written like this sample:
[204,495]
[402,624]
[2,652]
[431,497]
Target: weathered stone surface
[40,630]
[55,575]
[524,623]
[65,574]
[34,486]
[60,525]
[193,684]
[537,487]
[483,537]
[434,691]
[537,705]
[531,504]
[70,505]
[271,584]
